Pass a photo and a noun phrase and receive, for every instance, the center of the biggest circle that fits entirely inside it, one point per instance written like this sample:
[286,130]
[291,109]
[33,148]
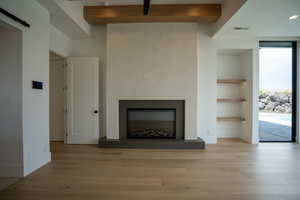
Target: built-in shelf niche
[235,99]
[232,103]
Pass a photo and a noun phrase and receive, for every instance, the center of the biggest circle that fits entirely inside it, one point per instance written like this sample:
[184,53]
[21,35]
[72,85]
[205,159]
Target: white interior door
[83,102]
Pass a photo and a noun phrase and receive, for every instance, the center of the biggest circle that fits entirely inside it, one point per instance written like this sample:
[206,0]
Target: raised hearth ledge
[152,143]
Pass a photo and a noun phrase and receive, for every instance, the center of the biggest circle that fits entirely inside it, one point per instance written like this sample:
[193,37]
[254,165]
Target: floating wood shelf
[231,81]
[225,119]
[231,100]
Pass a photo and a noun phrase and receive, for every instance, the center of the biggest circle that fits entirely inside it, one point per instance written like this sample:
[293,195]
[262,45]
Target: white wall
[152,61]
[93,46]
[247,73]
[207,73]
[59,42]
[36,44]
[11,158]
[207,76]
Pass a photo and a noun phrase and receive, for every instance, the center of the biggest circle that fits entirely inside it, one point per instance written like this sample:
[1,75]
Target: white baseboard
[45,159]
[82,140]
[209,139]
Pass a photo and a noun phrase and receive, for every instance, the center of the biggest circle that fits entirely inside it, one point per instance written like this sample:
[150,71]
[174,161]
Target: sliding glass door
[277,95]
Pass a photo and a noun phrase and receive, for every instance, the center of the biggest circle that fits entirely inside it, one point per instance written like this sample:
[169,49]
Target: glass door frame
[293,45]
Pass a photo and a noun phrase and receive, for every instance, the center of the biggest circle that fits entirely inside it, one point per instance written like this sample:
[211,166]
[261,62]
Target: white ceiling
[66,16]
[265,18]
[132,2]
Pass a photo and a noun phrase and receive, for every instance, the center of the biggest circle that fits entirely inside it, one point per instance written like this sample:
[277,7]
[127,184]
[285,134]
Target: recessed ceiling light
[293,17]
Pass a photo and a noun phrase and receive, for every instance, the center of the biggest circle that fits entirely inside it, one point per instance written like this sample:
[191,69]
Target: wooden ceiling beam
[202,13]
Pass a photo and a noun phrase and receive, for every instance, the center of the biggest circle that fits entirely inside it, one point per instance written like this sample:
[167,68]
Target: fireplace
[151,123]
[151,119]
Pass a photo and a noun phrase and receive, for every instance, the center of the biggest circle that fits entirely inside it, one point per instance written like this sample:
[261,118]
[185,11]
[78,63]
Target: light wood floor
[7,181]
[231,170]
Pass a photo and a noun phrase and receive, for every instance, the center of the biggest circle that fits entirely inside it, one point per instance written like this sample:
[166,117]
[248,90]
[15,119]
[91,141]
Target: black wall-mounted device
[37,85]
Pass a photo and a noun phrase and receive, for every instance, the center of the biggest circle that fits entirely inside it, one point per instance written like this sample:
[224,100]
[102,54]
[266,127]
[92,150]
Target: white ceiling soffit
[134,2]
[229,8]
[265,18]
[67,16]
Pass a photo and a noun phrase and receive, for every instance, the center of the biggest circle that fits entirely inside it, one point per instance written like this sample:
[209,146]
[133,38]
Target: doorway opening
[277,94]
[57,98]
[11,119]
[73,100]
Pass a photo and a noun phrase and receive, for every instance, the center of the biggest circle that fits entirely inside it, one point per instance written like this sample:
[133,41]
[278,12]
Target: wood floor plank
[230,170]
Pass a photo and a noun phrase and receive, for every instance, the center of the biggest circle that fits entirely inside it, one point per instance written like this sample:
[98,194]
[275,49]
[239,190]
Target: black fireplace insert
[151,123]
[151,119]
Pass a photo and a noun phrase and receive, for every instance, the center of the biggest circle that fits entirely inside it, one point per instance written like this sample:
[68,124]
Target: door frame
[293,45]
[64,59]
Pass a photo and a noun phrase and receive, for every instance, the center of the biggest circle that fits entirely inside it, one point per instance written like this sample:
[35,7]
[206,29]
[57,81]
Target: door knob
[96,111]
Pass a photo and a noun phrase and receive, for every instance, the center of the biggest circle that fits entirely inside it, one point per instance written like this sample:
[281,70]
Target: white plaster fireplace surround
[151,61]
